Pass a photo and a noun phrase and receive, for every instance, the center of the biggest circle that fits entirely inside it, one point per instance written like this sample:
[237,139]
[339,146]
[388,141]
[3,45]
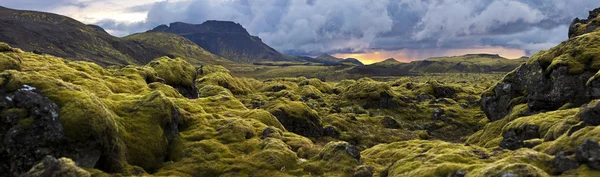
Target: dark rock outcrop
[513,139]
[589,153]
[562,163]
[31,130]
[363,171]
[389,122]
[541,92]
[583,26]
[590,114]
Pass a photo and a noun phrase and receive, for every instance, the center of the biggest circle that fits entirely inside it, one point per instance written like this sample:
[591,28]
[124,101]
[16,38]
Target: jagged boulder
[562,163]
[514,139]
[583,26]
[589,152]
[551,79]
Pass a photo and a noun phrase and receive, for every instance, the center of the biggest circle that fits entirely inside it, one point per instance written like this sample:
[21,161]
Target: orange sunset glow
[407,55]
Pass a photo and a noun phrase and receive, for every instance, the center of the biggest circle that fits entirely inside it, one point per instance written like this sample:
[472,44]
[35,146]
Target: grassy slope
[179,47]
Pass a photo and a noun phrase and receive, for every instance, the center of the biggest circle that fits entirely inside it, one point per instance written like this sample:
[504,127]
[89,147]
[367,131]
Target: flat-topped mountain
[226,39]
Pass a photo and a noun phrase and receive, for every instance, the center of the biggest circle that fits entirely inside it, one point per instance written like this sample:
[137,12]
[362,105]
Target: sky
[370,30]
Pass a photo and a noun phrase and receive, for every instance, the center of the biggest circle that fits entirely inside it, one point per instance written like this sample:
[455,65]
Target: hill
[226,39]
[177,46]
[47,33]
[65,37]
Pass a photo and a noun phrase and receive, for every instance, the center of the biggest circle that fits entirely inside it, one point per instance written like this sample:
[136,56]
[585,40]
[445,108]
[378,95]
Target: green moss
[26,123]
[4,47]
[437,158]
[174,71]
[297,117]
[579,54]
[310,91]
[9,61]
[265,117]
[213,90]
[63,167]
[491,134]
[225,80]
[318,84]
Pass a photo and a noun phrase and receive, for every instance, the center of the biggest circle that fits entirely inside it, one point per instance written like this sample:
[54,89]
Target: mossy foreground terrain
[171,118]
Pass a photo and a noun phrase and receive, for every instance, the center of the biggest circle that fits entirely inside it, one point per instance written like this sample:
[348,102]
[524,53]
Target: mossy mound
[371,94]
[318,84]
[9,61]
[297,117]
[437,158]
[219,76]
[579,54]
[177,73]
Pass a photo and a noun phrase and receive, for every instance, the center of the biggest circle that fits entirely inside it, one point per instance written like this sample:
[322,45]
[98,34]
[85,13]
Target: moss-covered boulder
[218,76]
[371,94]
[51,166]
[177,73]
[297,117]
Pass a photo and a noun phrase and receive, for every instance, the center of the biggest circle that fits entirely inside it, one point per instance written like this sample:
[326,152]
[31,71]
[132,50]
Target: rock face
[31,130]
[549,80]
[582,26]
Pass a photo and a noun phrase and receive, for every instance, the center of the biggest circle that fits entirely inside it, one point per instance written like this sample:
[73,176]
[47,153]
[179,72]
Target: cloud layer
[312,27]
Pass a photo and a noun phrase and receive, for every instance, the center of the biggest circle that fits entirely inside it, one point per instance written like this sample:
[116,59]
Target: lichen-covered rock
[52,167]
[297,117]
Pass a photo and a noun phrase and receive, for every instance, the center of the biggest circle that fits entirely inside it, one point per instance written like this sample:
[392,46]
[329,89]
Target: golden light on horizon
[406,55]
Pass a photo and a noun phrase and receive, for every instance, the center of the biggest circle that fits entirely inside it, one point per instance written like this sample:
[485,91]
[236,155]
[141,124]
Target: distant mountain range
[212,42]
[470,63]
